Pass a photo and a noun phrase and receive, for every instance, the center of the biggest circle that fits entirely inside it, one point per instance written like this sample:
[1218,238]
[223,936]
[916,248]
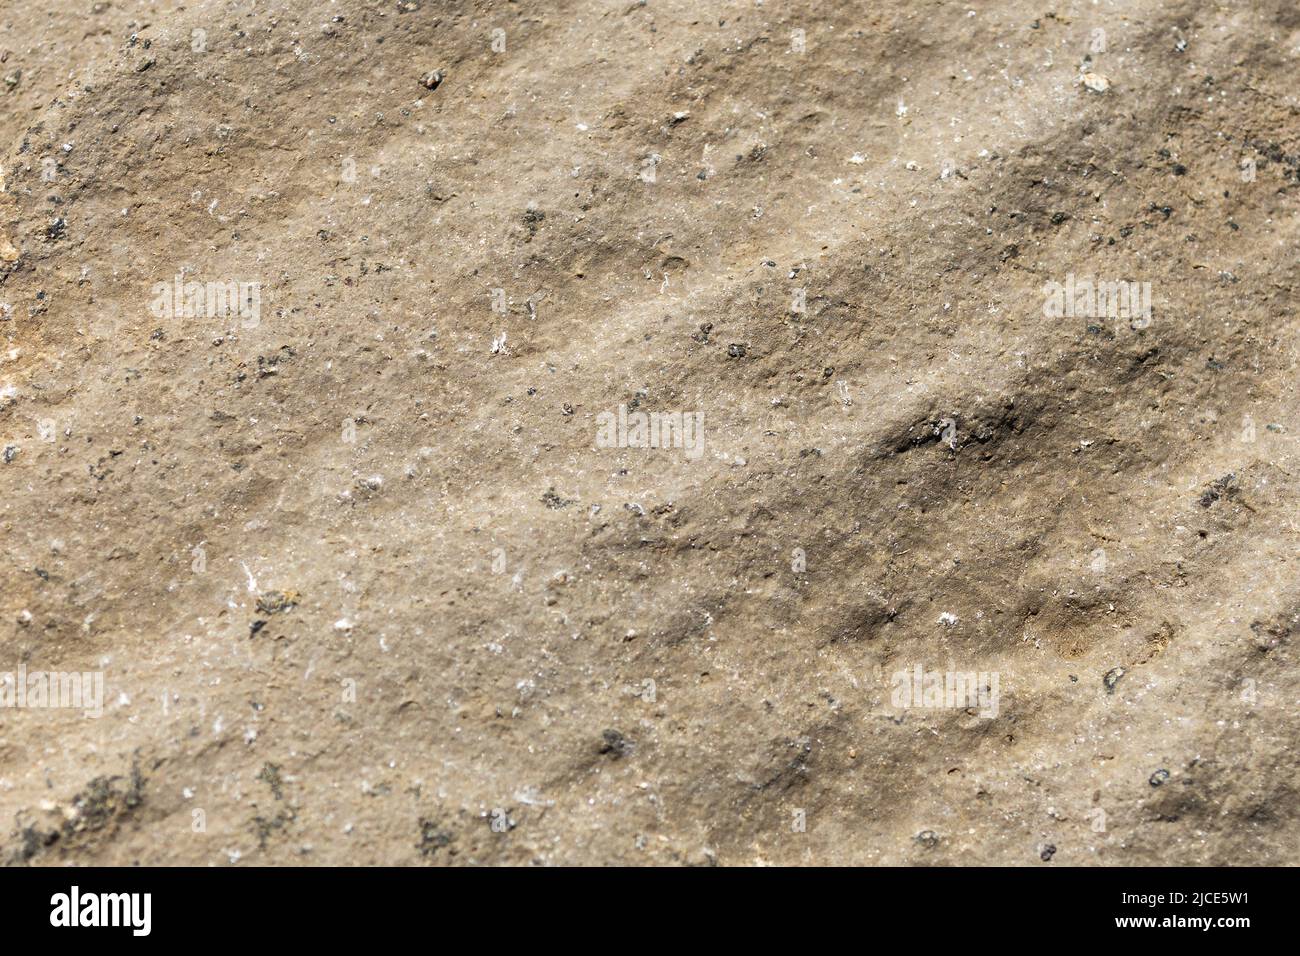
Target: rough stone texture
[462,597]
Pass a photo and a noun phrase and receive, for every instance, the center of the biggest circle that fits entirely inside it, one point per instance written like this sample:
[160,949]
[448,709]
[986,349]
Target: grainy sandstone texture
[364,586]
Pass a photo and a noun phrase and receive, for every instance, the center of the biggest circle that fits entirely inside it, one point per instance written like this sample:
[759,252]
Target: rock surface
[339,528]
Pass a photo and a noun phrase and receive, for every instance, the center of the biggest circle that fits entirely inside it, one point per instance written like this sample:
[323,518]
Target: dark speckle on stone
[1219,488]
[532,219]
[1112,678]
[614,744]
[553,500]
[270,775]
[432,837]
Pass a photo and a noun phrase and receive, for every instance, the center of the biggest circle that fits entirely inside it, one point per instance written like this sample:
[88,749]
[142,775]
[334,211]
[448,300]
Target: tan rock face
[792,434]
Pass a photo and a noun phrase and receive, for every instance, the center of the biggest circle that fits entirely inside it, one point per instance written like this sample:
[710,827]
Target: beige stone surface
[363,584]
